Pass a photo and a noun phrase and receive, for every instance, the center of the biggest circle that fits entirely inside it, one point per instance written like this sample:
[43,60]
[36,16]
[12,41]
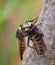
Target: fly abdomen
[39,43]
[40,46]
[41,51]
[22,51]
[21,48]
[38,38]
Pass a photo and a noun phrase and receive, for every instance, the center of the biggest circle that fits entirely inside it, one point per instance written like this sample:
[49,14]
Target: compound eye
[18,33]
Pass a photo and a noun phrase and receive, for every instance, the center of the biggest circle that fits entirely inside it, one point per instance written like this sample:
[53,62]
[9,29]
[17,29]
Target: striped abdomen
[21,48]
[39,44]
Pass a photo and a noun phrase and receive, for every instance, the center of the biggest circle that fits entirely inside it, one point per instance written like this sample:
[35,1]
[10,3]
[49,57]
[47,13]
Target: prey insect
[34,34]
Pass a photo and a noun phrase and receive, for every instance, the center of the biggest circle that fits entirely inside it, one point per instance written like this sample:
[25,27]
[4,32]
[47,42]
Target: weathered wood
[47,18]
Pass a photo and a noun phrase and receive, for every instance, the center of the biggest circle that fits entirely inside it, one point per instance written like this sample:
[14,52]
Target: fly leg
[28,44]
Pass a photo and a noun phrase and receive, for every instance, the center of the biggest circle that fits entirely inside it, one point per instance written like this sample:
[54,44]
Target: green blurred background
[12,14]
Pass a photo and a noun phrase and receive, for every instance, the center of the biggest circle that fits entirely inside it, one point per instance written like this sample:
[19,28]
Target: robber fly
[34,34]
[20,37]
[21,33]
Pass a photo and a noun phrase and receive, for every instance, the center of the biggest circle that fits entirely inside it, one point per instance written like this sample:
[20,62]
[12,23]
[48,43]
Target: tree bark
[47,18]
